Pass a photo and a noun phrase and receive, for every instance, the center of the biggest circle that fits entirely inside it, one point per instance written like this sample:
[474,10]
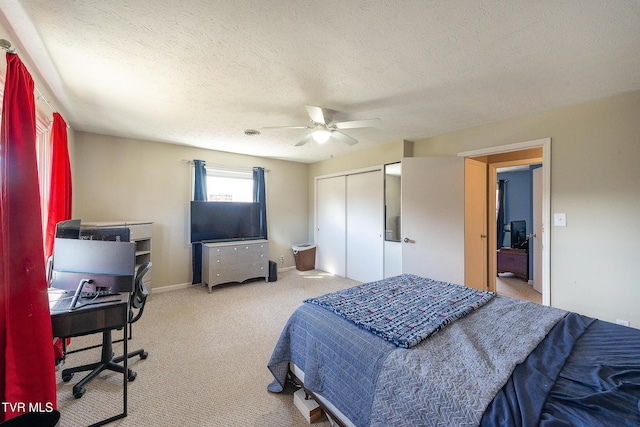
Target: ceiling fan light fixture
[322,127]
[321,136]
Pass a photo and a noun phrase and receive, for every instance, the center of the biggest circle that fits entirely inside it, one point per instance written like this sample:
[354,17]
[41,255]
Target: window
[43,157]
[229,185]
[43,153]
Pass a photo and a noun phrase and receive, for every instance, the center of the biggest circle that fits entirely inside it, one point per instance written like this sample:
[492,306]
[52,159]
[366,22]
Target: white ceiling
[200,72]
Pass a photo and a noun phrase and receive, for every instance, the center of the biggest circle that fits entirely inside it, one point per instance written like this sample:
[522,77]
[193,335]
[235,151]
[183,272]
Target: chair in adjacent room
[107,361]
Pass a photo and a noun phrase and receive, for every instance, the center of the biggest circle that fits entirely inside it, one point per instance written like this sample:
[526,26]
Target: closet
[349,228]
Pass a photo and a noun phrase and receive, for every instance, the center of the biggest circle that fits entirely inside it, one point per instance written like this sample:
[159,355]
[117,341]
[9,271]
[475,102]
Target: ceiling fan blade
[317,114]
[304,140]
[357,124]
[344,138]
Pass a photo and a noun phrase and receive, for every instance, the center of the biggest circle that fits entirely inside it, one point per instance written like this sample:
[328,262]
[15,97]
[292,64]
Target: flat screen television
[224,221]
[519,234]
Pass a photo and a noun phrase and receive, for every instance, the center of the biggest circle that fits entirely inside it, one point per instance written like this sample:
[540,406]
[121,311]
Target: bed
[413,351]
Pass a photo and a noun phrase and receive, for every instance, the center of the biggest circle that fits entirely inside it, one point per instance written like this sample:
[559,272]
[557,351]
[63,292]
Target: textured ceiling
[199,72]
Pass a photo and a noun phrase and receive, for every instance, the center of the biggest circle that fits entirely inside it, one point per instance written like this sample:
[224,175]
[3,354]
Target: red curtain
[27,372]
[59,194]
[60,186]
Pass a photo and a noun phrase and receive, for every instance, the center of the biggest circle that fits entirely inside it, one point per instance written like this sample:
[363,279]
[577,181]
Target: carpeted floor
[207,363]
[511,286]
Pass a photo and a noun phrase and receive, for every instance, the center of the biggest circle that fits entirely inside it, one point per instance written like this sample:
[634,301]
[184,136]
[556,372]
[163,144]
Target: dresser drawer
[513,262]
[140,231]
[239,250]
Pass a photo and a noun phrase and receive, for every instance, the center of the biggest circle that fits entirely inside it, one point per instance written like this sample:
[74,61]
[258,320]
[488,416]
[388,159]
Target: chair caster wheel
[67,377]
[144,355]
[132,375]
[79,392]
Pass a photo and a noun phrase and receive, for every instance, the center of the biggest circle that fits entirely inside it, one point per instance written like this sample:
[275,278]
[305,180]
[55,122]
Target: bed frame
[298,383]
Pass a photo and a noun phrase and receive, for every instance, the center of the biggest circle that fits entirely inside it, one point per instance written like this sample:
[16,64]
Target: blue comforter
[375,383]
[510,363]
[340,361]
[585,373]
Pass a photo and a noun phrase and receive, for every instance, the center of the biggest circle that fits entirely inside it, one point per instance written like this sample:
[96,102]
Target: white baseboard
[188,285]
[172,287]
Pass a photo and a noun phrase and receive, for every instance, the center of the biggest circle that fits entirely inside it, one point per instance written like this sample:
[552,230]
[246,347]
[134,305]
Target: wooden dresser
[516,261]
[237,261]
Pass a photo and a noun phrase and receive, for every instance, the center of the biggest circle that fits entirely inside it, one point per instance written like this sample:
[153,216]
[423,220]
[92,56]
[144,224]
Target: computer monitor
[108,264]
[69,229]
[519,234]
[115,234]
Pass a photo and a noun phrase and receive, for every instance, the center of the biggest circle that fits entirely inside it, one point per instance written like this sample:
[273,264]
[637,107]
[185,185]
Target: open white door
[536,238]
[433,217]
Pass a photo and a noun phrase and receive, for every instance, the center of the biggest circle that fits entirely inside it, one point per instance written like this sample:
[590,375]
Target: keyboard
[98,294]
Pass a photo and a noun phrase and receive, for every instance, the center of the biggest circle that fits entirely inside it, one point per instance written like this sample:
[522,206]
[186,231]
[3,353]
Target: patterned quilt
[405,309]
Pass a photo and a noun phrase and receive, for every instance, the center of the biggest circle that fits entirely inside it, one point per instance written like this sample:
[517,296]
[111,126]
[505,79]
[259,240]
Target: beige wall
[126,179]
[595,180]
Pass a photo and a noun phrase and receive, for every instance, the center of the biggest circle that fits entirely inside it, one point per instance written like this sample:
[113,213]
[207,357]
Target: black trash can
[273,271]
[305,255]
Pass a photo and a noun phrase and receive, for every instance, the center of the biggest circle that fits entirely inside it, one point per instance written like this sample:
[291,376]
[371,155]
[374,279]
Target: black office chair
[136,308]
[107,361]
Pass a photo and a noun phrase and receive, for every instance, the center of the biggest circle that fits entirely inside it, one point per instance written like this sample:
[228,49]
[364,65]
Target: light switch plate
[560,219]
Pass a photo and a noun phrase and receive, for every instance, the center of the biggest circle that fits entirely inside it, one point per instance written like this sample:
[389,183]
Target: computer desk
[103,314]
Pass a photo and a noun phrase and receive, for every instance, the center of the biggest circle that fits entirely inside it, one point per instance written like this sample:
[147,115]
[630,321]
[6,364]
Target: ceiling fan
[322,127]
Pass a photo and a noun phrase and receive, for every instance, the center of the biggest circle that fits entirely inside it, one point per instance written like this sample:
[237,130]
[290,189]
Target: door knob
[408,240]
[483,236]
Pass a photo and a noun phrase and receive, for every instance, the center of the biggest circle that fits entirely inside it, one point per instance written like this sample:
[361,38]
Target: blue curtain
[200,184]
[199,194]
[260,196]
[501,214]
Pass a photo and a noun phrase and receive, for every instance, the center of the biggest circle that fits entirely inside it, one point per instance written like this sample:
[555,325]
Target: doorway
[518,216]
[530,152]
